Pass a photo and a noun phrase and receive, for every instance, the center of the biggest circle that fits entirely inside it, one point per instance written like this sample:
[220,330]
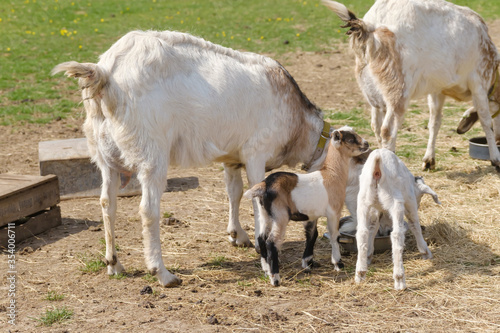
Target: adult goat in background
[156,99]
[406,49]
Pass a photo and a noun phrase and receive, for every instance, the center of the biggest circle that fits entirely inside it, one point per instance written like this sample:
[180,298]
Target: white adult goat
[156,99]
[405,49]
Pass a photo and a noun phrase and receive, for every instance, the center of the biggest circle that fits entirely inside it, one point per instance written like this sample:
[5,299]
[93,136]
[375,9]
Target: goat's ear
[336,136]
[427,190]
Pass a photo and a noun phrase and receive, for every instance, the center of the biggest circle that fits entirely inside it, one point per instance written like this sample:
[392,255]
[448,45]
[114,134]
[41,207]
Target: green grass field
[35,35]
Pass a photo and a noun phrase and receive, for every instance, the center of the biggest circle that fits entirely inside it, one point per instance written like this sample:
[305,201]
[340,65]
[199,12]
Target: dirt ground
[223,287]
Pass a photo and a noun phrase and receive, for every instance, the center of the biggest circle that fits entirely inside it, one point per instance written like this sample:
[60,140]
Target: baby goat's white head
[349,141]
[422,188]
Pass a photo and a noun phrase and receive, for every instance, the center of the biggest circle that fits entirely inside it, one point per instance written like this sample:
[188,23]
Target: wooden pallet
[22,195]
[32,225]
[25,199]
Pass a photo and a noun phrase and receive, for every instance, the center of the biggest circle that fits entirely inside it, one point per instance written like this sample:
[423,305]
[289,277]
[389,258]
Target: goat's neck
[335,172]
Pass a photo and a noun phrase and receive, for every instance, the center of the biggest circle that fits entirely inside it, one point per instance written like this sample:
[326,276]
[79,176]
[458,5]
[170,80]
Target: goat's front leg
[333,228]
[256,172]
[311,236]
[234,187]
[374,224]
[109,192]
[398,242]
[414,225]
[435,102]
[153,183]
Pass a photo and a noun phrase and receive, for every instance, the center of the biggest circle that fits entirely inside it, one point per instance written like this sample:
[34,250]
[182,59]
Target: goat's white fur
[156,99]
[388,187]
[406,49]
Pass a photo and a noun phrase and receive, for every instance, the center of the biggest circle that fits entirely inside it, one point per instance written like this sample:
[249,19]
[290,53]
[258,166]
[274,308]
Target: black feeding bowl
[478,148]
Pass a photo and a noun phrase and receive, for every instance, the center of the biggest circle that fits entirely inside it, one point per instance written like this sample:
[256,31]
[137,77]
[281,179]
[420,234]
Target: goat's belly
[310,196]
[458,93]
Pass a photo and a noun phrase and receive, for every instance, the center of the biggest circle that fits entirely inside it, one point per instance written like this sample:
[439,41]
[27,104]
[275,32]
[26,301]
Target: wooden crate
[32,225]
[22,195]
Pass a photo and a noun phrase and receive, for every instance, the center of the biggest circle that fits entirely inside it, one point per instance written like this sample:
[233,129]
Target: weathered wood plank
[36,224]
[23,195]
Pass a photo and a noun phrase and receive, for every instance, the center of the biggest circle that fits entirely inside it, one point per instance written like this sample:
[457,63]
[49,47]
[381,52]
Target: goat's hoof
[307,264]
[360,276]
[429,165]
[339,265]
[243,241]
[275,280]
[174,281]
[399,282]
[427,255]
[115,269]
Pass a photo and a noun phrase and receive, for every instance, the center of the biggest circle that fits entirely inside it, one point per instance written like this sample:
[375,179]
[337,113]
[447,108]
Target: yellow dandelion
[52,33]
[304,3]
[223,34]
[127,8]
[12,10]
[178,13]
[249,39]
[232,37]
[217,35]
[56,0]
[298,35]
[33,33]
[96,30]
[154,1]
[102,20]
[291,18]
[287,20]
[74,32]
[269,20]
[182,22]
[338,30]
[0,19]
[278,19]
[80,47]
[28,32]
[261,37]
[8,49]
[72,4]
[50,21]
[199,19]
[75,21]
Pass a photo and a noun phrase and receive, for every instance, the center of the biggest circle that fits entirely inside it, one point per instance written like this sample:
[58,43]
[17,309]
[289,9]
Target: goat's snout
[365,147]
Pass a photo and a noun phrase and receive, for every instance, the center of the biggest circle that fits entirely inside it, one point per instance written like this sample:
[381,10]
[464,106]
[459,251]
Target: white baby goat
[388,187]
[156,99]
[285,196]
[405,49]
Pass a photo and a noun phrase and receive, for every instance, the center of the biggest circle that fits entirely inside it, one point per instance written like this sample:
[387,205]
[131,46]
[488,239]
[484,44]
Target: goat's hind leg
[398,242]
[481,104]
[109,193]
[435,102]
[234,187]
[311,236]
[153,183]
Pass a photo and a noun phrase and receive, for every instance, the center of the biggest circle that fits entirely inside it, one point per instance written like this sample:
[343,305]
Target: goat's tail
[91,76]
[358,28]
[257,190]
[377,172]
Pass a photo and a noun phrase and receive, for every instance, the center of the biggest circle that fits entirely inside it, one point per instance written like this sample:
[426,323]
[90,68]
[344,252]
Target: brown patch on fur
[385,133]
[458,93]
[386,65]
[285,86]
